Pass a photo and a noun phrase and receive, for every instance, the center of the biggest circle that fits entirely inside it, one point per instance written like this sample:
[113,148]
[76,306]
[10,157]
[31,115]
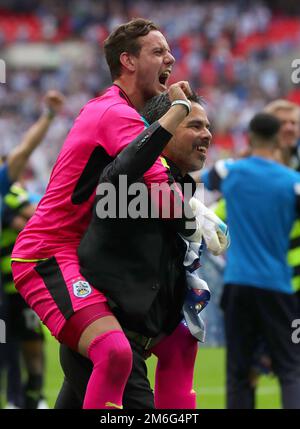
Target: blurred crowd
[227,50]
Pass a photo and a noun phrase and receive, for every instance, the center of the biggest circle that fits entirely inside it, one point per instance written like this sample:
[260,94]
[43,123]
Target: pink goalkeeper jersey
[103,128]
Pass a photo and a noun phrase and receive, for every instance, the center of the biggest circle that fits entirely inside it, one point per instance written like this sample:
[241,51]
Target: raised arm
[18,158]
[142,154]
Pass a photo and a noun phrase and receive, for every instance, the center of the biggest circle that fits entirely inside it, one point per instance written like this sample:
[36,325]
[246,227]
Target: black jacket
[138,264]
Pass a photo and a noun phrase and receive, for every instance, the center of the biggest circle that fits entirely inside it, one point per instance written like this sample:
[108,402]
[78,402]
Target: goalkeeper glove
[214,230]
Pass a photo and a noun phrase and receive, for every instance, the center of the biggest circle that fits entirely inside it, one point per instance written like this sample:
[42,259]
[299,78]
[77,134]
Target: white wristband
[185,103]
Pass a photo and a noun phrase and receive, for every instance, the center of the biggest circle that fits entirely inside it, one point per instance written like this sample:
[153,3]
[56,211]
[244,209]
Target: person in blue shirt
[4,180]
[263,202]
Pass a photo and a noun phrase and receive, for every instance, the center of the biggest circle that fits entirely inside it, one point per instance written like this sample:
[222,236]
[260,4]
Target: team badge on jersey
[81,289]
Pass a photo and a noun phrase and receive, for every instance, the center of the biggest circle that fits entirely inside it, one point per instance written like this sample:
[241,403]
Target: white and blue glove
[214,231]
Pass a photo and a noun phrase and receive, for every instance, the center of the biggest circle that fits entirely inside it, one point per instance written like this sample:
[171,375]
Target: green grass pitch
[209,379]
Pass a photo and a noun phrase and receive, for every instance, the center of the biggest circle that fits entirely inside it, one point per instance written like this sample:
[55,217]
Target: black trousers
[77,369]
[251,313]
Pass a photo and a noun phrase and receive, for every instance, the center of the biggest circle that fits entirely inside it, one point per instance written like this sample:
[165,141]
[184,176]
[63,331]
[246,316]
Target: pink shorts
[62,298]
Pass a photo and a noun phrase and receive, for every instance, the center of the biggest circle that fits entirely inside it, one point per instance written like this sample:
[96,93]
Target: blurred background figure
[25,336]
[24,330]
[263,201]
[287,153]
[288,113]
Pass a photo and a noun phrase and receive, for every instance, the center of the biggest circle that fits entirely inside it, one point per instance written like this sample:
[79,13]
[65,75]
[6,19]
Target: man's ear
[127,61]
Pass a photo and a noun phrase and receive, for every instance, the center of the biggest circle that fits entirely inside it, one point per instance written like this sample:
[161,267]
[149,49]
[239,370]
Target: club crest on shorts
[81,289]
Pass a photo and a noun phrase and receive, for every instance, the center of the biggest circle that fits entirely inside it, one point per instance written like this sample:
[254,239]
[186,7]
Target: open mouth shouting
[163,77]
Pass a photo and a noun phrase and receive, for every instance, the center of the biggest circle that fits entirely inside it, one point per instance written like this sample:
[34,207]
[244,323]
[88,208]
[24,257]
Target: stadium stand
[225,49]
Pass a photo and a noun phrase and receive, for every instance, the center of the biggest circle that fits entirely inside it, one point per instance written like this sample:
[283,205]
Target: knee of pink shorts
[81,319]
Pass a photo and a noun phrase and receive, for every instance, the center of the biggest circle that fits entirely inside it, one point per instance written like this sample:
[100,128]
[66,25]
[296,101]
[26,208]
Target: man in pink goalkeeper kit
[45,263]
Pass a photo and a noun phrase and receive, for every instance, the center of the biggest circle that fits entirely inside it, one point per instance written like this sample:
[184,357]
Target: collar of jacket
[176,173]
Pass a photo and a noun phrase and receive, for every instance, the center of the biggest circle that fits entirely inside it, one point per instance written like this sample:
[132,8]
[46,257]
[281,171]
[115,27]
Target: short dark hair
[264,126]
[125,39]
[157,106]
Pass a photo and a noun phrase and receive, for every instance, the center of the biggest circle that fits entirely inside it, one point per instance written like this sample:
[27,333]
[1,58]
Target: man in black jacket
[139,265]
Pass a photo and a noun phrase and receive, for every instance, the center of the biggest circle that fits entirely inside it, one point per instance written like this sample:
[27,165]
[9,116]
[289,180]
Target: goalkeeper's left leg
[175,370]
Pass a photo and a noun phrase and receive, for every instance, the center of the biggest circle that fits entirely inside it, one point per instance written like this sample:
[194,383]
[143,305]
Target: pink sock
[112,358]
[175,370]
